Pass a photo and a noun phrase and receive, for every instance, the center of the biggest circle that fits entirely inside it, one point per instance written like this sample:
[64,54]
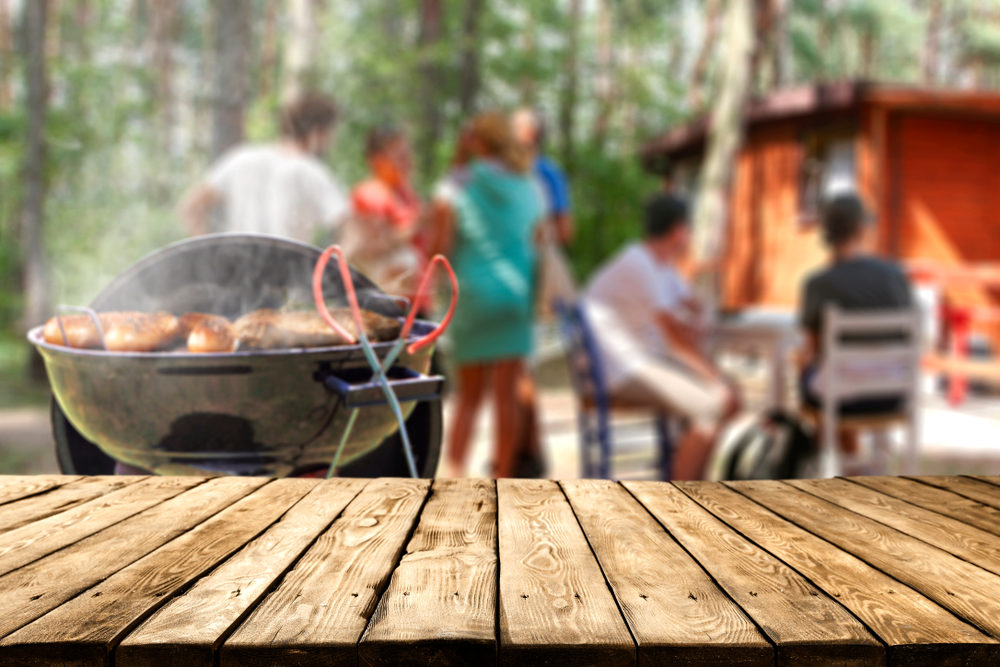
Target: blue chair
[595,405]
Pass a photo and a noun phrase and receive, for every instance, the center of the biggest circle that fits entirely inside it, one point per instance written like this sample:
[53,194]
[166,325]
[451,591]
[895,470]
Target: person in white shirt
[648,326]
[280,188]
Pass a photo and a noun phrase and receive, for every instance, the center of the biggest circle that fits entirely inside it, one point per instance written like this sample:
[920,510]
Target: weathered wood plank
[440,606]
[965,589]
[15,487]
[675,611]
[190,628]
[29,543]
[62,498]
[981,492]
[555,607]
[974,545]
[805,625]
[938,500]
[989,479]
[916,630]
[318,612]
[84,630]
[41,586]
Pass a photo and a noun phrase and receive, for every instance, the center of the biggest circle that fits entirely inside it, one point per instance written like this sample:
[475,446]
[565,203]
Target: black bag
[776,446]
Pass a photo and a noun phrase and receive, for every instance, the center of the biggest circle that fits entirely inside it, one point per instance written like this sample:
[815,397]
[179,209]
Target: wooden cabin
[927,162]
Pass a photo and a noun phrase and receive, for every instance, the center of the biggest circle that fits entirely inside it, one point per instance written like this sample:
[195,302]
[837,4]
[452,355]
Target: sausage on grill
[270,329]
[208,333]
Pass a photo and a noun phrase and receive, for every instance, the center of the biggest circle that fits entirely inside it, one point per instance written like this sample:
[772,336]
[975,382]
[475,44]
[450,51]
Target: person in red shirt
[383,238]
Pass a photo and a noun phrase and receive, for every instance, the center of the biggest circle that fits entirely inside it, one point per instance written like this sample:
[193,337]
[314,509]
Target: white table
[769,332]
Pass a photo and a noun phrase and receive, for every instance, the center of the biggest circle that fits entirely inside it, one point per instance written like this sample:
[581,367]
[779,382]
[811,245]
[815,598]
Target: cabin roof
[816,100]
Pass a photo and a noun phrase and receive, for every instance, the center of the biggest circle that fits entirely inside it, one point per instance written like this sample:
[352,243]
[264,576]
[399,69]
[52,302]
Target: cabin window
[827,169]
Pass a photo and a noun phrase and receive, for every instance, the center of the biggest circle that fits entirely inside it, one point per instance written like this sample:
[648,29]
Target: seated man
[854,280]
[646,321]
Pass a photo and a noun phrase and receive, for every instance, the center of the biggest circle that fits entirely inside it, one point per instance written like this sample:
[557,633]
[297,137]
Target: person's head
[309,121]
[389,156]
[528,128]
[667,226]
[845,221]
[492,138]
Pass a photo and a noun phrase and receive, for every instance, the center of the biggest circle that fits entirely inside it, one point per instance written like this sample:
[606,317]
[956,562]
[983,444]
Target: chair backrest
[582,352]
[871,353]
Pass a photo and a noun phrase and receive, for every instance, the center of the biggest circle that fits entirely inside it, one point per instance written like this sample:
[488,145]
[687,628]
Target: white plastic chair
[859,369]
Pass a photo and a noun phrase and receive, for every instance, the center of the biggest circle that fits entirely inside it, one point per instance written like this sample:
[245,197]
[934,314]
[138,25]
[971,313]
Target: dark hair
[310,112]
[664,212]
[381,137]
[844,216]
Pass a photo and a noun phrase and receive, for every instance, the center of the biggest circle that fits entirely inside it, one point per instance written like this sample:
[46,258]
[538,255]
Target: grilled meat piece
[270,329]
[141,332]
[207,333]
[126,331]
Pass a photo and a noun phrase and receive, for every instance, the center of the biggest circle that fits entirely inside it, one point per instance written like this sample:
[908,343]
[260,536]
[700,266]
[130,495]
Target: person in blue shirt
[530,131]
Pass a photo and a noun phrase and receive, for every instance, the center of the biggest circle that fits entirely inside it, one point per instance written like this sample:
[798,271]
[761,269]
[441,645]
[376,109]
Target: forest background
[110,109]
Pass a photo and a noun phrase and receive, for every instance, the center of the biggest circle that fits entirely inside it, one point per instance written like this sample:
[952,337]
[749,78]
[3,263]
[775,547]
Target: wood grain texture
[84,630]
[971,544]
[29,543]
[15,487]
[62,498]
[43,585]
[676,613]
[440,606]
[806,626]
[981,492]
[190,628]
[969,591]
[318,612]
[989,479]
[915,630]
[938,500]
[555,607]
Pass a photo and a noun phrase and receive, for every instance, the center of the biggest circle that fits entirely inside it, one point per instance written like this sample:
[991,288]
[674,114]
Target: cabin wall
[947,195]
[769,249]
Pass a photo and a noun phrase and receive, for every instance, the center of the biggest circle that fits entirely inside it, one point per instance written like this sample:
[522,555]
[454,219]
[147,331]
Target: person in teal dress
[496,206]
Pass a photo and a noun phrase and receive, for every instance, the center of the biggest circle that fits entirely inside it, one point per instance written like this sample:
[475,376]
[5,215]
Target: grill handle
[407,384]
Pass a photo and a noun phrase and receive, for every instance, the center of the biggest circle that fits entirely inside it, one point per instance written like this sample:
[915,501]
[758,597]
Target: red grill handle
[352,298]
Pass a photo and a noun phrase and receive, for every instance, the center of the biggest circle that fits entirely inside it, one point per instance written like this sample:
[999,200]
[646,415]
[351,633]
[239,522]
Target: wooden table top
[189,571]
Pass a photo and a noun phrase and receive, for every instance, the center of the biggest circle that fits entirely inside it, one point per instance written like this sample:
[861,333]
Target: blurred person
[854,279]
[530,131]
[280,188]
[382,236]
[496,207]
[646,320]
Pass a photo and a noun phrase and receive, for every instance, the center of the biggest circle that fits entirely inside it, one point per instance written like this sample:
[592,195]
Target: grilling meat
[80,332]
[208,333]
[140,332]
[126,331]
[270,329]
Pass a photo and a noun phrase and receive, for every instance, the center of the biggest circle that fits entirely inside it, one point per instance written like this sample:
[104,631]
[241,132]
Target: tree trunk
[699,71]
[268,50]
[6,53]
[725,134]
[232,48]
[932,44]
[300,48]
[469,76]
[567,101]
[604,84]
[432,74]
[160,48]
[768,59]
[35,269]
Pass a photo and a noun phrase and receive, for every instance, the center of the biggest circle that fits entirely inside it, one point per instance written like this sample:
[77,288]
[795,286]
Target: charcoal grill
[258,412]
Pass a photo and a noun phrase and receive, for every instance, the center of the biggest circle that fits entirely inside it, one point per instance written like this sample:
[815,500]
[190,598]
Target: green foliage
[114,176]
